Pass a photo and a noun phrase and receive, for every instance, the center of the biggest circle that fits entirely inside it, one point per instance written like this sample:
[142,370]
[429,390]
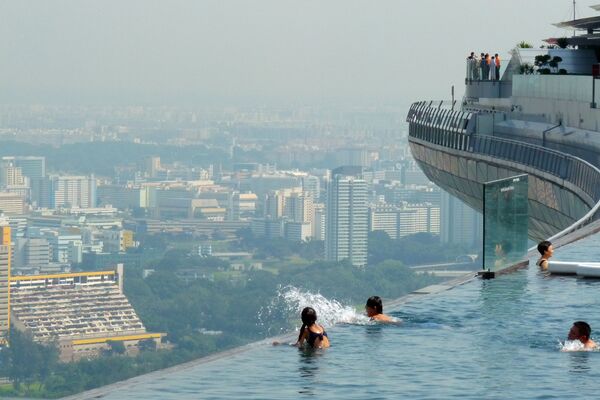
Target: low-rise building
[82,312]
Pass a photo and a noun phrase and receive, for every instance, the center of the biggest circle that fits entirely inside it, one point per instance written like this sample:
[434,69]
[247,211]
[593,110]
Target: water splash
[290,300]
[571,345]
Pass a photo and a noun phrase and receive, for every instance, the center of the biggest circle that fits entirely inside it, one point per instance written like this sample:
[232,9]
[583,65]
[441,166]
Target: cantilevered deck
[564,190]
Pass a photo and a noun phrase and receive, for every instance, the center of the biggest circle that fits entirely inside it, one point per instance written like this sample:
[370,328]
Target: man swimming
[582,331]
[374,309]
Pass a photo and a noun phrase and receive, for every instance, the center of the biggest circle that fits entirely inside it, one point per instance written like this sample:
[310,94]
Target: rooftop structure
[542,121]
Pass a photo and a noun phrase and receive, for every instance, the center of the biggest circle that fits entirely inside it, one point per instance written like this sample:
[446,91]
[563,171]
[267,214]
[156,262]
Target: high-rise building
[42,192]
[241,206]
[299,208]
[384,217]
[318,226]
[11,203]
[5,262]
[32,167]
[429,217]
[10,175]
[347,217]
[312,185]
[152,166]
[74,191]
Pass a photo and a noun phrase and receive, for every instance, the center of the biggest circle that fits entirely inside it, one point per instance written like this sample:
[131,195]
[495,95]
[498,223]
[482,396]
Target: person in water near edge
[582,331]
[546,250]
[311,333]
[374,309]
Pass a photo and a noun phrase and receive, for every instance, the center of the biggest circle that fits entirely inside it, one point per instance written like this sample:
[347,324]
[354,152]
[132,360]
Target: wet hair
[309,317]
[543,246]
[376,303]
[584,328]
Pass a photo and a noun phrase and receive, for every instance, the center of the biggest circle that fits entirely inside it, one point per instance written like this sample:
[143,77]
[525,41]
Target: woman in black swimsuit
[312,333]
[546,250]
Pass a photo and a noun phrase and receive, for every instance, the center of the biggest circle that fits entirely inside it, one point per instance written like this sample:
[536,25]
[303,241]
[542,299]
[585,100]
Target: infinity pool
[494,339]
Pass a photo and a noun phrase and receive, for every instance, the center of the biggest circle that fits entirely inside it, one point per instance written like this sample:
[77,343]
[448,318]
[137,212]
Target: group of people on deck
[483,67]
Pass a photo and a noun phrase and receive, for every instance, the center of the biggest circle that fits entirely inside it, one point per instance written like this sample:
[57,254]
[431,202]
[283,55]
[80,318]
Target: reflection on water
[308,366]
[373,331]
[579,362]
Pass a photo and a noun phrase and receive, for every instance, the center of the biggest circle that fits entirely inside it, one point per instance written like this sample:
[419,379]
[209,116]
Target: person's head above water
[545,248]
[309,316]
[374,306]
[581,331]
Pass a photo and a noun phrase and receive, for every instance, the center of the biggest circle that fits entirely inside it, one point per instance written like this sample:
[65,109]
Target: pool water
[495,339]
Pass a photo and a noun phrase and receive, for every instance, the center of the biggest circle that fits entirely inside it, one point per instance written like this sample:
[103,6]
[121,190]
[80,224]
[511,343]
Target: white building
[347,217]
[11,203]
[74,191]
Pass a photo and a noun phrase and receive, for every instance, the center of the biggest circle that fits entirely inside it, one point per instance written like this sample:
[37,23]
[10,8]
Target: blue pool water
[494,339]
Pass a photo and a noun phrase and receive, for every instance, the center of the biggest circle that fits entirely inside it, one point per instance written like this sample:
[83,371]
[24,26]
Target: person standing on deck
[497,66]
[476,68]
[482,66]
[486,72]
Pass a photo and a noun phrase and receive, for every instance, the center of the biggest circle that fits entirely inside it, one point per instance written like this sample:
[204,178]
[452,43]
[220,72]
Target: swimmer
[311,333]
[374,309]
[581,331]
[546,250]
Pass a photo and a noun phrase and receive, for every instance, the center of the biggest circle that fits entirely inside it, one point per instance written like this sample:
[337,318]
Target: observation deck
[540,117]
[563,189]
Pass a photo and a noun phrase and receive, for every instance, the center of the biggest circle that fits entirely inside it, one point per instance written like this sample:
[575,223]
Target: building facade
[347,217]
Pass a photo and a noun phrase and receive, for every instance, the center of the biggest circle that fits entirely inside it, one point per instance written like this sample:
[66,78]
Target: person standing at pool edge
[374,309]
[582,331]
[311,332]
[546,250]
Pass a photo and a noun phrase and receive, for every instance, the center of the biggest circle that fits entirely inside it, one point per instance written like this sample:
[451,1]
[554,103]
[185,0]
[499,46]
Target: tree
[116,347]
[562,42]
[218,234]
[524,45]
[547,64]
[25,361]
[147,345]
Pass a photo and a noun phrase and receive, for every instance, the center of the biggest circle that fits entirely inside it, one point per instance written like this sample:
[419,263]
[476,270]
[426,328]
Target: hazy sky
[257,52]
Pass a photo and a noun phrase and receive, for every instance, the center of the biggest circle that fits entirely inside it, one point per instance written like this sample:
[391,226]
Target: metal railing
[439,124]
